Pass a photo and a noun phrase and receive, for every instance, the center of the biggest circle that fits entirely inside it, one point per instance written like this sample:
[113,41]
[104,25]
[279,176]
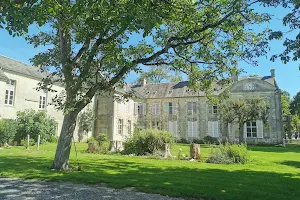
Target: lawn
[274,172]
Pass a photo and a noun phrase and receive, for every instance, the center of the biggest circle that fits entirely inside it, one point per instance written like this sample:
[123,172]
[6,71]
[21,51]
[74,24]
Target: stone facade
[188,115]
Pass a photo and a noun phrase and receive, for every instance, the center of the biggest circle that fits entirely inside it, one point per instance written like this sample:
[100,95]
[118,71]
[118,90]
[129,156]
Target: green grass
[273,174]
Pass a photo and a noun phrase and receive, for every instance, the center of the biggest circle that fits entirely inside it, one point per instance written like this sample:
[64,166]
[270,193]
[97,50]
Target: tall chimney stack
[144,82]
[272,73]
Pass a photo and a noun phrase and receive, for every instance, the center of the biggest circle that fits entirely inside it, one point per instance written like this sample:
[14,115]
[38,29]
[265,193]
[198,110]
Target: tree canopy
[295,104]
[89,48]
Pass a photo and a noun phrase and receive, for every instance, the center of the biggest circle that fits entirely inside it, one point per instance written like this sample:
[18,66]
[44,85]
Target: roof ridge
[16,60]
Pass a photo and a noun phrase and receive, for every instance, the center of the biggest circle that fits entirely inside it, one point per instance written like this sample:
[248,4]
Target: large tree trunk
[61,160]
[241,133]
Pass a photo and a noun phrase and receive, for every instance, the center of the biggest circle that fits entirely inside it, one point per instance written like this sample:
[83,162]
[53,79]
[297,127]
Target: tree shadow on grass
[166,178]
[273,149]
[291,163]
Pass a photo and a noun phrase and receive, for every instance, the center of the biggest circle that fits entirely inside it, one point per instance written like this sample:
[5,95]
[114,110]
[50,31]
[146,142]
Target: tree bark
[241,133]
[61,160]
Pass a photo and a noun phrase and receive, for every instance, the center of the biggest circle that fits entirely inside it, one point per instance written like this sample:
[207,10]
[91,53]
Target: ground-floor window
[213,128]
[156,125]
[253,129]
[192,129]
[120,126]
[129,126]
[172,127]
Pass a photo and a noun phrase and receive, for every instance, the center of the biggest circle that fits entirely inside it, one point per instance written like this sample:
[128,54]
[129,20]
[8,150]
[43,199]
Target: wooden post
[38,143]
[283,142]
[28,138]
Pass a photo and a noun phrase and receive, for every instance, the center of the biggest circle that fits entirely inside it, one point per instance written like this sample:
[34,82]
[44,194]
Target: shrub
[25,143]
[147,142]
[100,144]
[210,140]
[183,141]
[229,153]
[91,139]
[53,139]
[8,130]
[35,123]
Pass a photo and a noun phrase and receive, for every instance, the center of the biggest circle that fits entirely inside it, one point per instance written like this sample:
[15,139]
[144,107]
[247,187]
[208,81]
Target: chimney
[144,82]
[272,73]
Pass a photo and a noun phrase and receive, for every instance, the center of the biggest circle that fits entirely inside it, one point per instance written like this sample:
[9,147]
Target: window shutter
[260,129]
[175,128]
[195,129]
[245,130]
[190,129]
[210,109]
[135,108]
[210,126]
[144,109]
[216,129]
[174,111]
[170,126]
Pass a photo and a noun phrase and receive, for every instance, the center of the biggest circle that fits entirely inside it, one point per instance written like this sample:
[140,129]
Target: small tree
[242,111]
[8,130]
[34,123]
[85,123]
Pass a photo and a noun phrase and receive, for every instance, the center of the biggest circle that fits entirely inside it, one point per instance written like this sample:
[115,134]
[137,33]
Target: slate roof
[19,67]
[180,89]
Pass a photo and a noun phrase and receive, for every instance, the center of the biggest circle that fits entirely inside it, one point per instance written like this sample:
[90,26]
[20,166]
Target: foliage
[295,123]
[8,130]
[244,110]
[100,144]
[295,104]
[34,123]
[228,154]
[85,123]
[292,21]
[210,140]
[91,139]
[285,103]
[25,142]
[147,142]
[89,48]
[52,139]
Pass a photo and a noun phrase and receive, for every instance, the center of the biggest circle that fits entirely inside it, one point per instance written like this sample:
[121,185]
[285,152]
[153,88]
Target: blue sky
[287,75]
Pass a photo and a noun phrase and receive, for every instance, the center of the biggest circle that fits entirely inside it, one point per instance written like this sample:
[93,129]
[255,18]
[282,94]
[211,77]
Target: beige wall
[27,97]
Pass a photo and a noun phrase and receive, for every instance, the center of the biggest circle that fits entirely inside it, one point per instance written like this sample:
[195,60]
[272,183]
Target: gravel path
[18,189]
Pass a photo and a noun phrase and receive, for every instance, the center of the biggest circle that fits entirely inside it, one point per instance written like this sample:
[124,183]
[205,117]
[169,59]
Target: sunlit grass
[274,172]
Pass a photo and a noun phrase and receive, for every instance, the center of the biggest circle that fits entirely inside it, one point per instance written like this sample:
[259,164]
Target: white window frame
[192,108]
[155,108]
[214,129]
[129,127]
[10,93]
[249,129]
[140,108]
[156,124]
[192,129]
[43,101]
[172,108]
[120,126]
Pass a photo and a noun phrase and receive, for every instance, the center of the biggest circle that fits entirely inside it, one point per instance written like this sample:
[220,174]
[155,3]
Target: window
[156,125]
[251,128]
[140,109]
[192,128]
[213,128]
[155,109]
[120,126]
[129,127]
[172,127]
[191,108]
[172,108]
[43,100]
[214,109]
[10,93]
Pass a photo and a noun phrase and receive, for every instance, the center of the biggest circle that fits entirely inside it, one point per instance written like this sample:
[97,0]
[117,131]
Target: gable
[252,85]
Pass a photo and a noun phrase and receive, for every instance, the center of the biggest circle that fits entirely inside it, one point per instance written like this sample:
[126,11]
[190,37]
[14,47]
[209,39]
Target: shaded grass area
[273,174]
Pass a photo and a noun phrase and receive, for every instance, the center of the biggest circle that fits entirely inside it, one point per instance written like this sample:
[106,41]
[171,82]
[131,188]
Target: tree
[295,105]
[8,130]
[89,47]
[285,102]
[295,123]
[85,123]
[292,20]
[242,111]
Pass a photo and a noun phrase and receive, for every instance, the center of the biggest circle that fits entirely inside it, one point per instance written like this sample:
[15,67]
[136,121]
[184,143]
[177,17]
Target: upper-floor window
[191,108]
[140,108]
[10,92]
[172,108]
[155,108]
[213,109]
[43,101]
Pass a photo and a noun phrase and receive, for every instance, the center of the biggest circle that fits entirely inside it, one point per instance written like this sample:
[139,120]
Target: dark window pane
[248,130]
[5,101]
[253,123]
[11,93]
[6,92]
[248,134]
[254,130]
[10,102]
[254,134]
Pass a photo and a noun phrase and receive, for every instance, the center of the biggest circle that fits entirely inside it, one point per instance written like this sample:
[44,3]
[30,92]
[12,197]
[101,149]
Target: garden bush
[8,130]
[229,153]
[34,123]
[25,142]
[147,142]
[91,139]
[210,140]
[100,144]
